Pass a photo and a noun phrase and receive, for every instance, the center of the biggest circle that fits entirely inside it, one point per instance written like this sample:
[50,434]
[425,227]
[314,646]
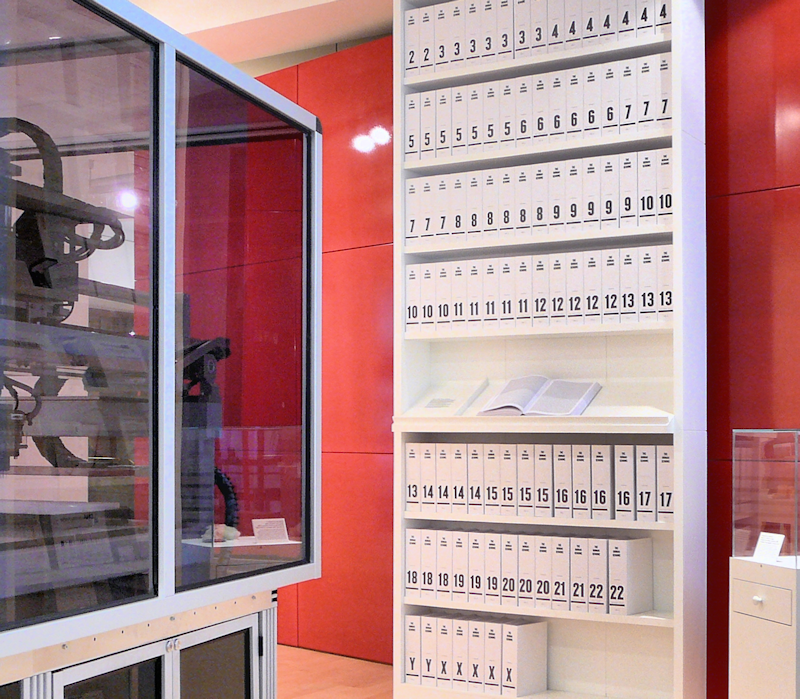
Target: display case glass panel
[140,681]
[241,338]
[76,145]
[765,490]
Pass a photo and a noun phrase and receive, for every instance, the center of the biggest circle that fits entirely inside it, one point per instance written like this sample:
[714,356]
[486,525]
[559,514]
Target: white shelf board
[470,71]
[650,139]
[540,521]
[466,331]
[653,618]
[448,244]
[416,691]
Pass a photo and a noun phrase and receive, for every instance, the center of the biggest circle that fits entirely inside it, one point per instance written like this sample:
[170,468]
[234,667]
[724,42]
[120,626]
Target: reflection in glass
[218,668]
[75,311]
[11,691]
[240,281]
[140,681]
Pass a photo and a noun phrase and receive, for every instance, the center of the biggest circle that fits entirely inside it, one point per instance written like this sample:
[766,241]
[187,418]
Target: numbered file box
[646,483]
[413,489]
[557,105]
[506,297]
[609,191]
[526,483]
[459,118]
[575,274]
[544,572]
[523,106]
[441,224]
[628,179]
[664,274]
[444,123]
[663,15]
[491,311]
[539,26]
[627,96]
[412,639]
[573,23]
[475,479]
[444,477]
[491,114]
[427,39]
[507,122]
[630,576]
[581,481]
[411,24]
[493,568]
[412,123]
[524,653]
[526,561]
[427,564]
[646,88]
[475,300]
[444,652]
[611,280]
[591,22]
[508,479]
[427,124]
[558,288]
[543,473]
[505,29]
[628,285]
[475,119]
[574,103]
[560,556]
[608,21]
[664,186]
[413,553]
[476,649]
[555,25]
[427,478]
[493,657]
[523,283]
[540,289]
[579,574]
[459,299]
[598,576]
[562,480]
[444,564]
[427,293]
[541,109]
[664,115]
[646,188]
[665,483]
[428,642]
[645,17]
[458,474]
[488,24]
[522,28]
[609,94]
[460,658]
[441,35]
[624,483]
[648,284]
[602,483]
[510,570]
[626,19]
[592,287]
[460,578]
[472,31]
[491,478]
[477,567]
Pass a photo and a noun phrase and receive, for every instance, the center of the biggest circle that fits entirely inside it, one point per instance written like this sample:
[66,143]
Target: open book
[538,395]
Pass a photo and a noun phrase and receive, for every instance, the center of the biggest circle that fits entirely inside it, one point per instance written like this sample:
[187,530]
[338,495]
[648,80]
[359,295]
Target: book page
[516,395]
[564,398]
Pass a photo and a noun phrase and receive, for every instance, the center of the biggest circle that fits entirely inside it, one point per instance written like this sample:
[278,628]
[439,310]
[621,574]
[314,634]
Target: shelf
[545,331]
[654,618]
[416,691]
[566,239]
[540,521]
[542,63]
[651,139]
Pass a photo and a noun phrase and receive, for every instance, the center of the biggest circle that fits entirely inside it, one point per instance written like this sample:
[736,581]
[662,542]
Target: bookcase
[511,162]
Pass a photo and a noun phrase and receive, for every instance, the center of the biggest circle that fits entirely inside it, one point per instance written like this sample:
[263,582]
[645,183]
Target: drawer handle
[757,599]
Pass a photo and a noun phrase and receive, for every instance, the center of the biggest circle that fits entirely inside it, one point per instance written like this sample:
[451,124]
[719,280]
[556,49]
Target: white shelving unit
[653,376]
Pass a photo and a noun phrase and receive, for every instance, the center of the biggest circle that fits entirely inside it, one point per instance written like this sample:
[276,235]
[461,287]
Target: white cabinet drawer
[762,601]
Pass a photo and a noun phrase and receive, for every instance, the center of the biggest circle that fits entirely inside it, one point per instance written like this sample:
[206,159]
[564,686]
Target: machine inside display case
[87,332]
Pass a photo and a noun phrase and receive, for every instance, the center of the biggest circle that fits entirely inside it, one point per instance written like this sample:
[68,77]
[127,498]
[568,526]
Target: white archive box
[557,105]
[412,640]
[608,21]
[493,570]
[526,483]
[475,479]
[574,103]
[475,119]
[665,289]
[664,185]
[523,284]
[523,201]
[444,291]
[581,481]
[506,292]
[609,95]
[458,205]
[508,479]
[591,193]
[413,197]
[648,284]
[444,564]
[493,657]
[646,92]
[412,126]
[460,579]
[541,109]
[598,576]
[558,288]
[590,21]
[488,18]
[628,175]
[573,170]
[413,553]
[611,280]
[543,473]
[624,482]
[626,19]
[458,478]
[427,477]
[509,562]
[579,574]
[505,209]
[460,657]
[523,106]
[459,296]
[522,28]
[412,55]
[476,649]
[425,207]
[491,114]
[460,122]
[444,122]
[413,488]
[646,188]
[645,483]
[573,24]
[663,14]
[428,639]
[593,286]
[477,567]
[539,26]
[645,17]
[540,289]
[491,478]
[427,124]
[544,572]
[505,29]
[472,31]
[575,305]
[630,576]
[627,96]
[444,652]
[592,101]
[562,480]
[524,655]
[609,191]
[427,564]
[474,206]
[526,562]
[540,184]
[560,557]
[555,25]
[602,482]
[664,114]
[441,35]
[665,482]
[475,295]
[507,123]
[444,477]
[628,285]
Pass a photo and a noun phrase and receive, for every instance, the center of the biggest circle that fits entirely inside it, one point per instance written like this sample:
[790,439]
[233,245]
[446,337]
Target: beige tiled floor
[306,674]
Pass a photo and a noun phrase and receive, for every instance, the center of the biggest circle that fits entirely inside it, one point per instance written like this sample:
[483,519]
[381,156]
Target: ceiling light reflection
[363,144]
[380,135]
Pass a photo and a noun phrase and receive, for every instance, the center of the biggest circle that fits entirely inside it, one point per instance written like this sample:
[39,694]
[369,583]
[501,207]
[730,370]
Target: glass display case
[764,566]
[159,318]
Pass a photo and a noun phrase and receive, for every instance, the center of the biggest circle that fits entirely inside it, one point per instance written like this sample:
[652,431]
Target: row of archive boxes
[579,481]
[630,285]
[472,32]
[497,656]
[623,97]
[578,574]
[508,205]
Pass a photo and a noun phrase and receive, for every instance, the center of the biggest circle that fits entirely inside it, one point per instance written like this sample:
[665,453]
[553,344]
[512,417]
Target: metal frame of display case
[167,602]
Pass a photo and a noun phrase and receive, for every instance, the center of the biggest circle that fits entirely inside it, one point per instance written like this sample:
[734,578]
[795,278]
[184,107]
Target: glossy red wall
[753,126]
[349,610]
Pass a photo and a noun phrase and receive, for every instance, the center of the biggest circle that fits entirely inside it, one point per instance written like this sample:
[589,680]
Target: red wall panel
[753,159]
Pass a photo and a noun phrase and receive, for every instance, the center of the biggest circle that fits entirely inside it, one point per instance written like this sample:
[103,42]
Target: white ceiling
[244,30]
